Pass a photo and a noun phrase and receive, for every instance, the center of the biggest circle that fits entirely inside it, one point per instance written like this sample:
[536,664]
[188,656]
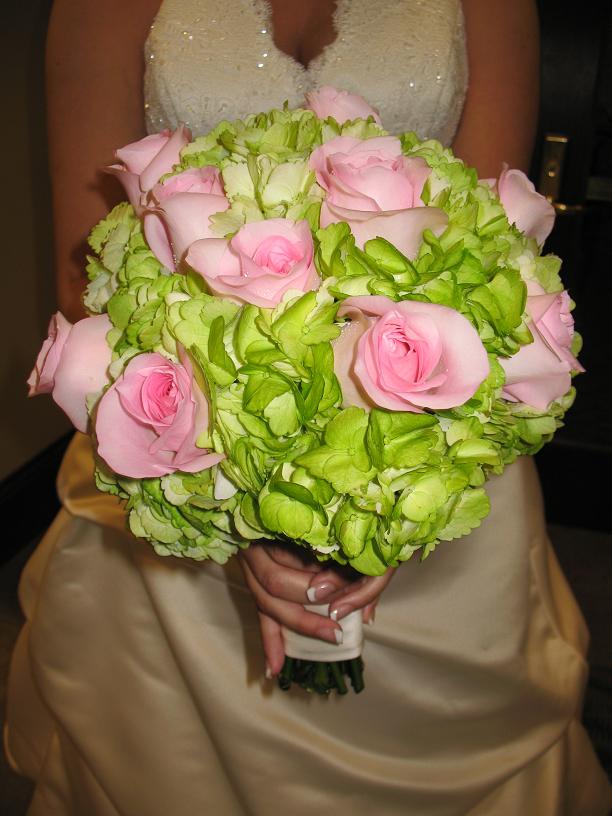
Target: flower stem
[322,677]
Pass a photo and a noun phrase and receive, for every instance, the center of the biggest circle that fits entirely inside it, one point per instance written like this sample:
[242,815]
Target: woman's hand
[281,584]
[362,593]
[280,581]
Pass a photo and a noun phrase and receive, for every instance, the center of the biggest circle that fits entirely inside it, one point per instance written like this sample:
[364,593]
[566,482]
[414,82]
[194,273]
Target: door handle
[551,173]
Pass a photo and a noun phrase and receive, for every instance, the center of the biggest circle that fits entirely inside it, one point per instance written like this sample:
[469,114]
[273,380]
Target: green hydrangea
[369,489]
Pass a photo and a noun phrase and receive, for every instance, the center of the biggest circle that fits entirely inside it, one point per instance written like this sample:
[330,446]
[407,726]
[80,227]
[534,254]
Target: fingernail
[318,592]
[333,636]
[269,674]
[340,611]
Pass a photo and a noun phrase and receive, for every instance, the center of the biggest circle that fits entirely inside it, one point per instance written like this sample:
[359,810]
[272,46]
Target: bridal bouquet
[305,328]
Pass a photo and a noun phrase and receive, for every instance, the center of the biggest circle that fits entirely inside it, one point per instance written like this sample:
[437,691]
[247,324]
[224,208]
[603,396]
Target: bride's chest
[302,30]
[213,59]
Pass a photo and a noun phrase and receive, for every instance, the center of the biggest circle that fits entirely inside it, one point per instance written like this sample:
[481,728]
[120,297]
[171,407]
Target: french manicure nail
[339,612]
[320,592]
[335,636]
[269,674]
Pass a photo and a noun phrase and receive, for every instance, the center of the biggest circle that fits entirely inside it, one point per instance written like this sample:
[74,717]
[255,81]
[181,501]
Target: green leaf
[289,329]
[347,431]
[247,521]
[120,308]
[121,214]
[399,439]
[470,508]
[285,515]
[221,365]
[476,450]
[354,528]
[427,496]
[369,561]
[331,240]
[282,416]
[300,494]
[389,258]
[261,389]
[343,460]
[248,337]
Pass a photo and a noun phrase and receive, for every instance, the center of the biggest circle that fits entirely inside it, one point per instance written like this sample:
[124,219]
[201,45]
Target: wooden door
[573,163]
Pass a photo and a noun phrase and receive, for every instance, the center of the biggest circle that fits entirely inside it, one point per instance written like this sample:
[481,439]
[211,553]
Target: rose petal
[200,180]
[535,375]
[165,159]
[345,351]
[131,185]
[530,211]
[83,367]
[42,377]
[136,156]
[158,239]
[341,105]
[187,218]
[403,228]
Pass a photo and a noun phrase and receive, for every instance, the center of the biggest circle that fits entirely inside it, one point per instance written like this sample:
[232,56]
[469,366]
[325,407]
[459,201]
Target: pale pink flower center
[156,400]
[277,254]
[408,353]
[404,350]
[160,396]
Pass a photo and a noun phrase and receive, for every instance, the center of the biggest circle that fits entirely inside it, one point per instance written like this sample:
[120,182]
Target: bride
[138,683]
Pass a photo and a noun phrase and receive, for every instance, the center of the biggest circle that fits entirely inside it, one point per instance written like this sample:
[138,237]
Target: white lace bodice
[216,59]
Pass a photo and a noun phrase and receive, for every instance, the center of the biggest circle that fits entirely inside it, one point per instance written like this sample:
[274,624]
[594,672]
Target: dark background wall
[577,104]
[26,426]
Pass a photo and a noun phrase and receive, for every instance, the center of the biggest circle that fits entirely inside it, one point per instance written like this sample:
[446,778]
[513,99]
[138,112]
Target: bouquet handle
[319,666]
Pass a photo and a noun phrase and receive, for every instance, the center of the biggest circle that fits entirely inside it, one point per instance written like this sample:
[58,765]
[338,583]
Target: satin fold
[137,685]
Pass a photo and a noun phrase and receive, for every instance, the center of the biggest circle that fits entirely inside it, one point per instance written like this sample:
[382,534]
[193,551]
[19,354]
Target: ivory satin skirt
[136,686]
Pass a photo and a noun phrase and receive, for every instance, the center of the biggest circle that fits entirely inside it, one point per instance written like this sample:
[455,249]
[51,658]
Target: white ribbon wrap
[307,648]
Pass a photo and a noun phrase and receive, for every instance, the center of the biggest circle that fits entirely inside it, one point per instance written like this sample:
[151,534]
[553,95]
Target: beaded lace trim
[214,59]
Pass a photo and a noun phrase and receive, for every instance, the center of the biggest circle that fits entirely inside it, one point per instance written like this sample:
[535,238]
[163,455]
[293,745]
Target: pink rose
[540,372]
[72,364]
[369,174]
[376,191]
[148,421]
[179,212]
[341,105]
[263,261]
[144,162]
[407,356]
[526,208]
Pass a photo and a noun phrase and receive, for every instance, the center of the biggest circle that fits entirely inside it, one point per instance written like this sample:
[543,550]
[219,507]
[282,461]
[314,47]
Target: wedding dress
[137,682]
